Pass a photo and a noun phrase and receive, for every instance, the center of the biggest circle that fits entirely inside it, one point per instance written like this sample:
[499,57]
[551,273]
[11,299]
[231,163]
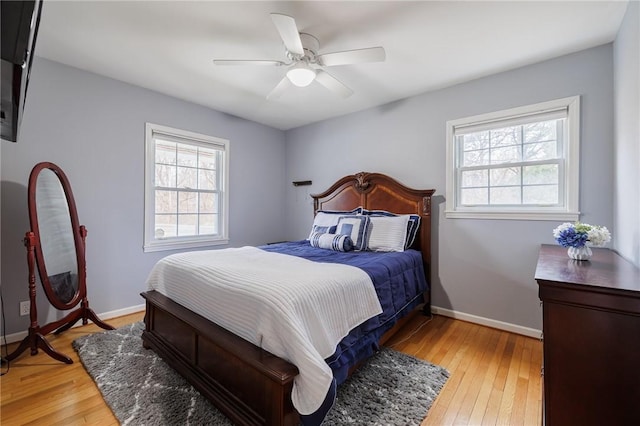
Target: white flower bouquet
[580,234]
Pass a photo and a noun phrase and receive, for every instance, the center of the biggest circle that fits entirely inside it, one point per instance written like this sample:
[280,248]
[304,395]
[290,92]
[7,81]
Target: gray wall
[481,267]
[626,50]
[93,128]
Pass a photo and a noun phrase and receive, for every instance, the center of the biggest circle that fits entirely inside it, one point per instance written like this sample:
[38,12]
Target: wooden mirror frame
[78,231]
[35,338]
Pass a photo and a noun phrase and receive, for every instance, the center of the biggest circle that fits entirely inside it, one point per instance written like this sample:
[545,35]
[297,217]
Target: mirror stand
[35,338]
[56,244]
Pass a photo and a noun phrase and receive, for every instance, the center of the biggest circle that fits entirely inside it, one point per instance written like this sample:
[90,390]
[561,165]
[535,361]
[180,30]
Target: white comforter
[294,308]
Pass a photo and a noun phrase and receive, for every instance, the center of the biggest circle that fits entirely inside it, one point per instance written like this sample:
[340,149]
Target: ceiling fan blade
[357,56]
[289,33]
[246,62]
[279,89]
[331,83]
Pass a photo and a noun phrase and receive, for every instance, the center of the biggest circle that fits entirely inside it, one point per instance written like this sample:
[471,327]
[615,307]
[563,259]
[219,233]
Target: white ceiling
[168,46]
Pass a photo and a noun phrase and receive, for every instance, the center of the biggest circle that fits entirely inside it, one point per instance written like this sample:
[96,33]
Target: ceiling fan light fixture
[301,74]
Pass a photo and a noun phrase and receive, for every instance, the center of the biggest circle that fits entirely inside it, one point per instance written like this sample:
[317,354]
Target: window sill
[513,215]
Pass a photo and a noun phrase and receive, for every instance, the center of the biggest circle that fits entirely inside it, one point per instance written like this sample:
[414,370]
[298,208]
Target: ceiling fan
[304,63]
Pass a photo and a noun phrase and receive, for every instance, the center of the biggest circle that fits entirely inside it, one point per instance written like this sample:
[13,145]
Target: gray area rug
[391,388]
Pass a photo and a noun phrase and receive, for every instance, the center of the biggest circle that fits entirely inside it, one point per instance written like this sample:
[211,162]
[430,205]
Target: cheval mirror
[56,243]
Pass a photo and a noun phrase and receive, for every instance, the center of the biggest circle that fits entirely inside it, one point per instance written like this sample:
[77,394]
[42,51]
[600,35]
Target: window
[520,163]
[186,189]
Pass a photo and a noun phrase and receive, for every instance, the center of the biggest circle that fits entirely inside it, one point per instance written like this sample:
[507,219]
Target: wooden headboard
[376,191]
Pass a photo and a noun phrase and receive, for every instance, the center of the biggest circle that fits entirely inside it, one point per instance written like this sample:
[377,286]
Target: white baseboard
[513,328]
[16,337]
[518,329]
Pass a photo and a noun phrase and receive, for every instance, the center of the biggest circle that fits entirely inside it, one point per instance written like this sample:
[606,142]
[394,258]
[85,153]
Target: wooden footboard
[248,384]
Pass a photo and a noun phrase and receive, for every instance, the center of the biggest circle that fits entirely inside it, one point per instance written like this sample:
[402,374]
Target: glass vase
[580,253]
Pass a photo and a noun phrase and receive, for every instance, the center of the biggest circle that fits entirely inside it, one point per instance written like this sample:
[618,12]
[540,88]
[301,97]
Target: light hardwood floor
[495,377]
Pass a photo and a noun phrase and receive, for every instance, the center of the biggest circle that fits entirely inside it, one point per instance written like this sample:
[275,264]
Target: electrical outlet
[25,307]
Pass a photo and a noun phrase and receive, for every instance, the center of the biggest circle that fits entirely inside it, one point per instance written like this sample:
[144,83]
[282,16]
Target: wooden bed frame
[248,384]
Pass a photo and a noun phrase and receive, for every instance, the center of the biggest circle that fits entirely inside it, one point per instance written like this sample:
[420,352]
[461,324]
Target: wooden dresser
[591,335]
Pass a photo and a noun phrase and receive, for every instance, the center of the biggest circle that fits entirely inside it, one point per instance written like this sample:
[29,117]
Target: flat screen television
[20,21]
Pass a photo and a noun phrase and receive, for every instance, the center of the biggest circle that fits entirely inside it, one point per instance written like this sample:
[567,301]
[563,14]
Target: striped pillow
[412,226]
[335,242]
[387,233]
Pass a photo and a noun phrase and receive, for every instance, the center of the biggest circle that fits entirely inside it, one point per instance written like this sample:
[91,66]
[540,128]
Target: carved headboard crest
[361,181]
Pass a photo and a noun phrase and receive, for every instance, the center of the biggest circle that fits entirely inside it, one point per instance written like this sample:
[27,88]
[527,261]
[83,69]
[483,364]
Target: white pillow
[387,233]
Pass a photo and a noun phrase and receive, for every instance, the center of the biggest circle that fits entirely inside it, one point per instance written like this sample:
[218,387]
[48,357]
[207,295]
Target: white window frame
[151,243]
[569,164]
